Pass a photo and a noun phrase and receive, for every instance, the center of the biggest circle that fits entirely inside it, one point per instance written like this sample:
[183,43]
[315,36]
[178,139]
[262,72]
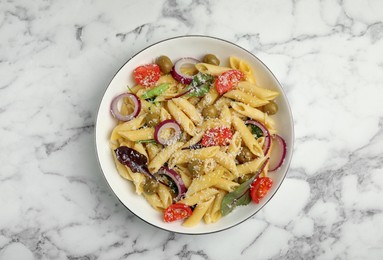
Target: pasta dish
[195,138]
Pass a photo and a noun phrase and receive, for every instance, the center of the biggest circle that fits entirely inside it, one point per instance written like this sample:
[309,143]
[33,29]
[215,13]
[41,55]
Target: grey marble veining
[57,57]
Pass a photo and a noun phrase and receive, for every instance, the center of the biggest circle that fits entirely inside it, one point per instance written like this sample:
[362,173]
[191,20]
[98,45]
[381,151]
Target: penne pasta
[166,79]
[184,156]
[189,110]
[202,195]
[226,161]
[137,135]
[221,102]
[181,118]
[213,214]
[245,98]
[122,169]
[138,180]
[247,137]
[164,195]
[208,99]
[252,89]
[194,100]
[208,165]
[163,156]
[235,145]
[164,114]
[210,69]
[195,139]
[212,123]
[198,213]
[127,143]
[243,66]
[146,106]
[204,182]
[226,185]
[225,114]
[141,149]
[154,201]
[253,113]
[152,150]
[185,175]
[250,167]
[133,124]
[135,89]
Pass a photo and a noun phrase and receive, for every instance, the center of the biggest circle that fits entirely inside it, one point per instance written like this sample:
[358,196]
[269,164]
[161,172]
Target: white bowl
[186,46]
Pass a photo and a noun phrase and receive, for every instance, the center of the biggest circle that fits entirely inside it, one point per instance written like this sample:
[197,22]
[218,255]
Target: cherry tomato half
[217,136]
[227,80]
[147,75]
[177,211]
[259,188]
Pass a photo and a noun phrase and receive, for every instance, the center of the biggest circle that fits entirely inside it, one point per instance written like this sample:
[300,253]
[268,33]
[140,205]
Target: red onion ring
[116,112]
[266,134]
[278,153]
[167,124]
[172,174]
[178,75]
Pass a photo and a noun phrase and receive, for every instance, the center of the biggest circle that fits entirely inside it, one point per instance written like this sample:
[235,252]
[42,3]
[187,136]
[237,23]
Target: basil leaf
[200,85]
[245,199]
[200,91]
[256,131]
[241,196]
[201,78]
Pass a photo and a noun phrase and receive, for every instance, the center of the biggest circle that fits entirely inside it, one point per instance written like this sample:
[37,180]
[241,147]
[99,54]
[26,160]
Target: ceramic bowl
[175,48]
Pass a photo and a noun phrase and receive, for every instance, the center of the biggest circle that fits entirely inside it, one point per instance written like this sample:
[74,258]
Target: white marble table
[56,58]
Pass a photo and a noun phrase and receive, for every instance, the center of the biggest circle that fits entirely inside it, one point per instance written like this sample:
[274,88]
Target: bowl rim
[206,37]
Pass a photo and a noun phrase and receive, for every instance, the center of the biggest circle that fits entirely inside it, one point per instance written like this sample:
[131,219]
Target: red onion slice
[172,174]
[177,73]
[266,134]
[116,112]
[167,124]
[278,153]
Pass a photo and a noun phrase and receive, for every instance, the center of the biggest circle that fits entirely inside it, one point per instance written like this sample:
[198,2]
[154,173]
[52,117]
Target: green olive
[210,111]
[271,108]
[165,64]
[152,119]
[150,186]
[195,168]
[245,155]
[211,59]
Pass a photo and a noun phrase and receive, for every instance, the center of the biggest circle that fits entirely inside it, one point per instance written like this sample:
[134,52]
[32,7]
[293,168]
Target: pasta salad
[196,138]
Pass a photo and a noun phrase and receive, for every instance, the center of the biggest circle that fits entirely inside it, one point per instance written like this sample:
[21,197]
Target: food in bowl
[196,138]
